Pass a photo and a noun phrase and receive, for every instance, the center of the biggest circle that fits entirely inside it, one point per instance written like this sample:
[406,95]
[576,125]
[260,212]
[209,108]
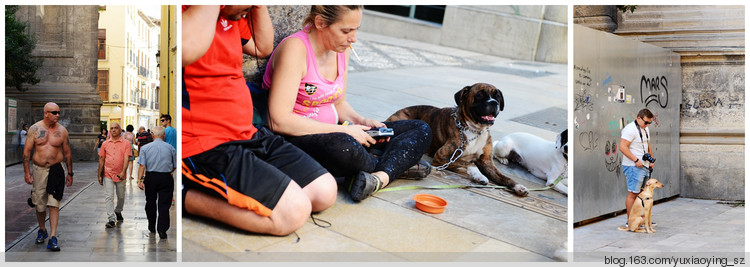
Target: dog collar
[462,128]
[460,149]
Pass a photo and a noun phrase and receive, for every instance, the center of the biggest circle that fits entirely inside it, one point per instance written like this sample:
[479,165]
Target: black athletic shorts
[250,174]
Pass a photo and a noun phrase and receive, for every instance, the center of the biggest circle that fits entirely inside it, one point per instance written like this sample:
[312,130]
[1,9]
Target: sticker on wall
[620,96]
[628,99]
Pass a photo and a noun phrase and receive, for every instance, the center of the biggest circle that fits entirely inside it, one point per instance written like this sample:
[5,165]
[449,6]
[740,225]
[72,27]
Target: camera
[380,132]
[649,158]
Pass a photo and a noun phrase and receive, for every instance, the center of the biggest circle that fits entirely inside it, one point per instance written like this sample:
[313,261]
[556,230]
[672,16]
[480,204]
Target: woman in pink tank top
[306,78]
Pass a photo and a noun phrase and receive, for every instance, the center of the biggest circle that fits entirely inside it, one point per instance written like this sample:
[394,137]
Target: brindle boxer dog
[465,127]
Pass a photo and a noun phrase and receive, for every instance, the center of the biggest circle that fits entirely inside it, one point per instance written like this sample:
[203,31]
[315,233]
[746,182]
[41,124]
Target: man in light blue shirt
[170,133]
[157,160]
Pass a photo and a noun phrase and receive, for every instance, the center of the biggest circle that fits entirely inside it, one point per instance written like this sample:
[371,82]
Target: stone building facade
[522,32]
[712,111]
[128,81]
[66,41]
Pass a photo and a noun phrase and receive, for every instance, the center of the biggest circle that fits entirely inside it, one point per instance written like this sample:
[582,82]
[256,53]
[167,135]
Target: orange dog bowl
[430,203]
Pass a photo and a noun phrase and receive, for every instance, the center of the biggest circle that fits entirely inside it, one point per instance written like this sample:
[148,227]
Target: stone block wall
[712,119]
[713,95]
[712,171]
[66,41]
[603,18]
[286,21]
[531,33]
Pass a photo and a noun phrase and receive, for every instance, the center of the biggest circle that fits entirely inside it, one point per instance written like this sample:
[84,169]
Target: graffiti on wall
[612,160]
[583,101]
[655,90]
[707,102]
[588,140]
[582,76]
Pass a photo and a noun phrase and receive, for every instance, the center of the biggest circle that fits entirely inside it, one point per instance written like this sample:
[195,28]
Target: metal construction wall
[614,78]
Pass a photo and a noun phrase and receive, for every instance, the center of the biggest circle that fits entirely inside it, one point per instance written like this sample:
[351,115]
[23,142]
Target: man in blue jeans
[634,143]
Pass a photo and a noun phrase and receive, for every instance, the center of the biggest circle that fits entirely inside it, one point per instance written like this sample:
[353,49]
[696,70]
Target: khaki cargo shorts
[39,195]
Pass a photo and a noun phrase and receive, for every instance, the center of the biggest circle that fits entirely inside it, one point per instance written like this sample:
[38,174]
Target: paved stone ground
[684,225]
[81,233]
[477,225]
[19,217]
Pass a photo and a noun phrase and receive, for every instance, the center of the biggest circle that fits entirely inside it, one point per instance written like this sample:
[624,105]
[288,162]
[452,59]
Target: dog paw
[481,180]
[477,175]
[520,190]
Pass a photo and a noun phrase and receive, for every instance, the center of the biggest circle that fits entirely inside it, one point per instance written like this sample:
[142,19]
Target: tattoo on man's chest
[42,133]
[58,134]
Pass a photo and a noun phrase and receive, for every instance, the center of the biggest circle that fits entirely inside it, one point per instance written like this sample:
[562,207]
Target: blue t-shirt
[171,135]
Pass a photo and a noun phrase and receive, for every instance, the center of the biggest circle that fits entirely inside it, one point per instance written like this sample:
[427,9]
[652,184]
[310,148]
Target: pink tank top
[316,94]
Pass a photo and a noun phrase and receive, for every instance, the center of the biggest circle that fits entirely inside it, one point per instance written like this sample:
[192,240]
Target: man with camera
[637,160]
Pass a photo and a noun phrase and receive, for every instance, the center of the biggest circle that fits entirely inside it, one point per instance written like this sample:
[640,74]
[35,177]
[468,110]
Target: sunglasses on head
[54,112]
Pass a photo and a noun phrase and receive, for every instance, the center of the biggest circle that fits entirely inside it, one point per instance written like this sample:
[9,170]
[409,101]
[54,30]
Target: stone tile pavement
[684,225]
[81,233]
[478,224]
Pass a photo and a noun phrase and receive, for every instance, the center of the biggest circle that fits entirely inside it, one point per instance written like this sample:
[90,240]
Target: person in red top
[232,171]
[113,159]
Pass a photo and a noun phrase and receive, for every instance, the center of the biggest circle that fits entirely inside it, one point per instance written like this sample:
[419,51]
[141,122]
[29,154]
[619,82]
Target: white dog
[543,159]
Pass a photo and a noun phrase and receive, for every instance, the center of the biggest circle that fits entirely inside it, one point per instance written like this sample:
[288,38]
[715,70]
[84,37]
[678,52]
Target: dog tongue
[488,118]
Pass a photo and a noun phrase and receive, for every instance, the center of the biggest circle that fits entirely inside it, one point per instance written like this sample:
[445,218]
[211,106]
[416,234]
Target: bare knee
[322,192]
[291,211]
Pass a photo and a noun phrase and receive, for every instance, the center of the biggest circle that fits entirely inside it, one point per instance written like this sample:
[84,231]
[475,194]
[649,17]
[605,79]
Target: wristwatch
[70,173]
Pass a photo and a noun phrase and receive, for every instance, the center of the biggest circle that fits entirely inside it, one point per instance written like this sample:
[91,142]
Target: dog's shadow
[519,174]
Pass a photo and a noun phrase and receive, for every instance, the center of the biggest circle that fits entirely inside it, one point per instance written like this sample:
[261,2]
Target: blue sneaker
[40,236]
[52,245]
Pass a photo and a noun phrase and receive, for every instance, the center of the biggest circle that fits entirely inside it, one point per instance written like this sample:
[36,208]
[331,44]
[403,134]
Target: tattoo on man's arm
[32,131]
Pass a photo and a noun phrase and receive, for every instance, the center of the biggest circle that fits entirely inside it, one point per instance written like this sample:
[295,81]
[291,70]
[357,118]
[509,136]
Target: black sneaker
[417,172]
[163,235]
[364,185]
[40,236]
[110,224]
[119,216]
[52,245]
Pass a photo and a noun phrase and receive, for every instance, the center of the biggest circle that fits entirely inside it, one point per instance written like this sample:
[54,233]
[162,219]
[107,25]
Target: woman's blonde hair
[330,14]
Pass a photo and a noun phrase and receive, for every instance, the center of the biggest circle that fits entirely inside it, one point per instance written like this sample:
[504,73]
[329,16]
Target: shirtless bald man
[49,142]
